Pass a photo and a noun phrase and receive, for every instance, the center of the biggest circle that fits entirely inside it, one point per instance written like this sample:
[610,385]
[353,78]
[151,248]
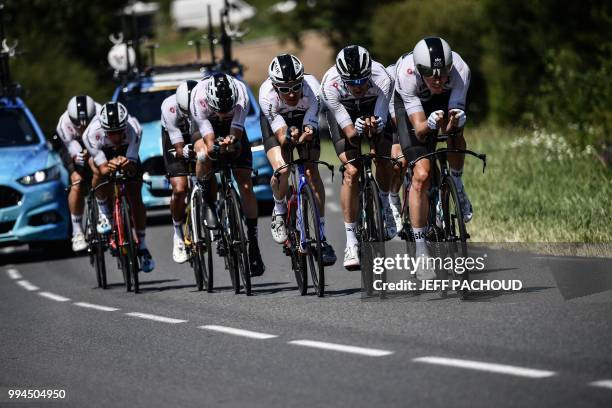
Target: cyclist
[178,132]
[113,140]
[81,110]
[219,109]
[357,87]
[430,91]
[290,99]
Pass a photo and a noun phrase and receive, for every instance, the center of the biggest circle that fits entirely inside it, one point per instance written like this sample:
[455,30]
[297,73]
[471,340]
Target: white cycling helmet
[183,95]
[81,110]
[113,117]
[221,92]
[433,57]
[285,68]
[354,63]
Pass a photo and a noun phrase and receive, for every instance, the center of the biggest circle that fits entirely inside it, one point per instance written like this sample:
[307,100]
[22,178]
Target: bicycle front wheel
[454,231]
[129,244]
[238,241]
[204,245]
[372,234]
[96,245]
[312,236]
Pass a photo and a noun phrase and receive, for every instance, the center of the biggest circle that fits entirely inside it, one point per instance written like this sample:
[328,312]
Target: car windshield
[15,129]
[146,106]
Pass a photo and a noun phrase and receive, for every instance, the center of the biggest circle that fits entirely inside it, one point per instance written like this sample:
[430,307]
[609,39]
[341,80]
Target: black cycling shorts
[175,166]
[405,135]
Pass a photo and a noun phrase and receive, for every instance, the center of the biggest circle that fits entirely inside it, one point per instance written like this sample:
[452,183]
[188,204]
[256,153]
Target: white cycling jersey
[391,71]
[344,105]
[69,134]
[96,141]
[174,121]
[202,115]
[278,112]
[410,85]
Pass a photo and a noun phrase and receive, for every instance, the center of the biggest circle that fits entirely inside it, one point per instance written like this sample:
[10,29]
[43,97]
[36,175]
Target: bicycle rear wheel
[372,235]
[230,262]
[238,241]
[455,233]
[312,232]
[96,244]
[298,260]
[204,247]
[130,244]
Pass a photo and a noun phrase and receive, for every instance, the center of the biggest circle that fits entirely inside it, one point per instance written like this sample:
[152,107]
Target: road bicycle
[446,231]
[303,226]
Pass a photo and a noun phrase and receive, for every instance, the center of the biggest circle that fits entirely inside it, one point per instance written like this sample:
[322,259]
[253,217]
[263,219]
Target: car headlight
[41,176]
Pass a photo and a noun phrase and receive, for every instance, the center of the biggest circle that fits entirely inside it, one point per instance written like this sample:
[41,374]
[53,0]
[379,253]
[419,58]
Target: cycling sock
[178,229]
[394,199]
[251,224]
[103,206]
[384,198]
[141,238]
[456,174]
[322,227]
[351,238]
[419,237]
[280,206]
[76,223]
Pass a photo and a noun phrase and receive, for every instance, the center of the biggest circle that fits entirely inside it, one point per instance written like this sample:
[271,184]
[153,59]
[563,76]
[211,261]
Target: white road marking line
[156,317]
[602,383]
[341,347]
[27,285]
[94,306]
[490,367]
[333,207]
[239,332]
[13,273]
[53,296]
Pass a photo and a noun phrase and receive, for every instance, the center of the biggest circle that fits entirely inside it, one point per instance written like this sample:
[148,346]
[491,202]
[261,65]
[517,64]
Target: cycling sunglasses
[431,72]
[288,89]
[356,82]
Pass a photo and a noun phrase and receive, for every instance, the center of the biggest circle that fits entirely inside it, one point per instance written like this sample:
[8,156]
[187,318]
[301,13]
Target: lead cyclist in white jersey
[81,110]
[431,85]
[354,89]
[289,99]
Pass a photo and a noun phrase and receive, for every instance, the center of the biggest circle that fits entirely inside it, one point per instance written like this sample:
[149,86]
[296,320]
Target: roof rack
[133,65]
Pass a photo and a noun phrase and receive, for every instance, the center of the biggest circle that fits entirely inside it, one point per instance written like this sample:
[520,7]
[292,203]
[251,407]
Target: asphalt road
[174,346]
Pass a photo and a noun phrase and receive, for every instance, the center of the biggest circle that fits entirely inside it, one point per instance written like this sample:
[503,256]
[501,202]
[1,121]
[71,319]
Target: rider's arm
[134,135]
[384,87]
[312,91]
[407,103]
[240,111]
[268,101]
[330,95]
[92,140]
[169,120]
[65,135]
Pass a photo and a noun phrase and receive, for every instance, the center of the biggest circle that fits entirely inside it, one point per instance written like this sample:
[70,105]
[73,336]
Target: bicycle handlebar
[369,156]
[330,167]
[480,156]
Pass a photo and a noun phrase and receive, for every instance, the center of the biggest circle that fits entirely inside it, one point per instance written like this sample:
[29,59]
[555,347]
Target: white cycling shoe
[179,254]
[278,229]
[78,242]
[351,258]
[104,226]
[424,271]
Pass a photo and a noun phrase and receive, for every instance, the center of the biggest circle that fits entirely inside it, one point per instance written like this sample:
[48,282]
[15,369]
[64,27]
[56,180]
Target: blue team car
[143,97]
[33,200]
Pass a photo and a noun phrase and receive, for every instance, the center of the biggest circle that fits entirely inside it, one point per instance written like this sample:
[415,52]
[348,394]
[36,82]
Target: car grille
[9,197]
[155,166]
[160,193]
[6,226]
